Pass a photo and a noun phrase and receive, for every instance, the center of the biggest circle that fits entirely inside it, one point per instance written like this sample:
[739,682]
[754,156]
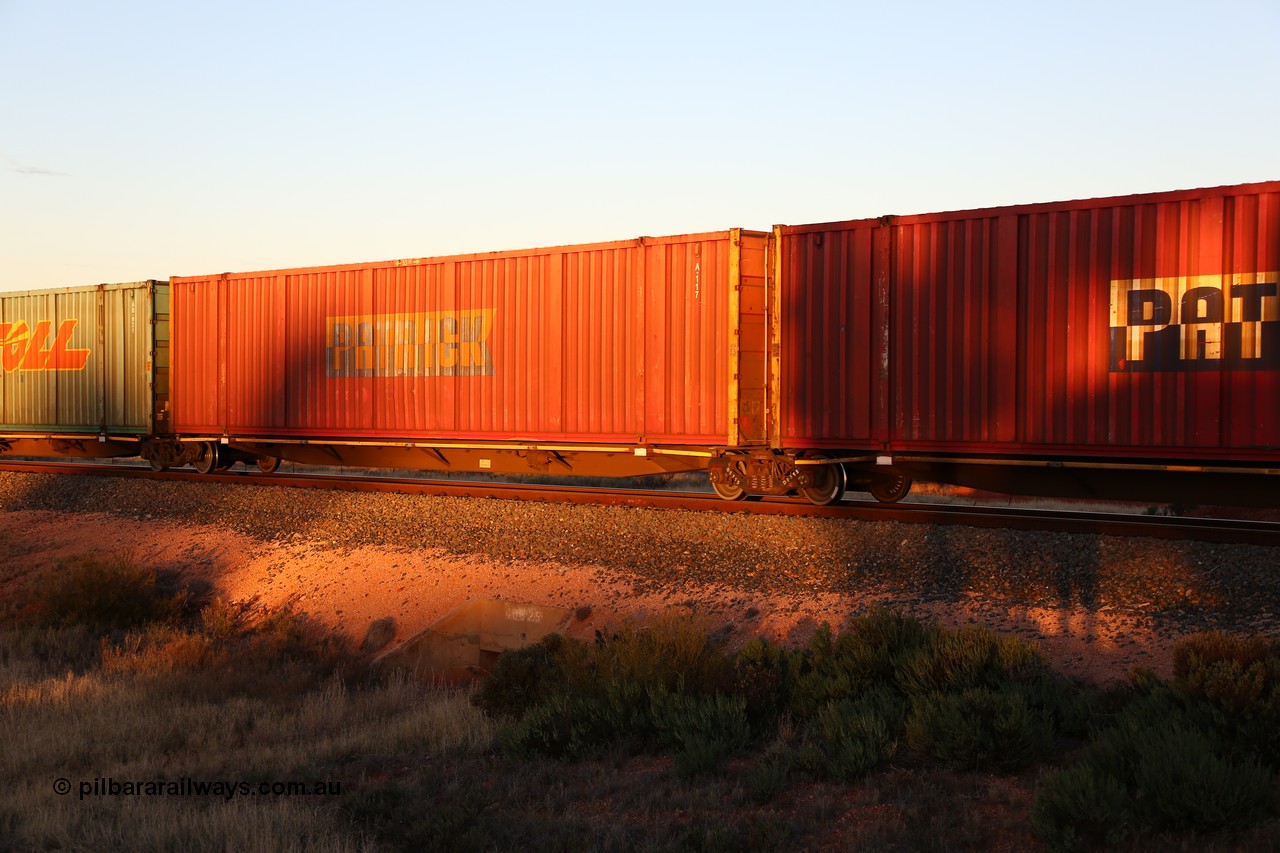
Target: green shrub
[865,655]
[674,654]
[105,593]
[981,728]
[852,737]
[1201,650]
[1164,765]
[574,725]
[523,678]
[821,675]
[761,676]
[1079,807]
[702,755]
[1238,679]
[1071,707]
[704,731]
[665,685]
[769,777]
[1238,674]
[1186,782]
[890,632]
[1179,774]
[564,726]
[970,657]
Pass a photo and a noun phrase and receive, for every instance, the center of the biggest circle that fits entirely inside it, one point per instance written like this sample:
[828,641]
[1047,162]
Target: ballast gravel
[1223,585]
[728,561]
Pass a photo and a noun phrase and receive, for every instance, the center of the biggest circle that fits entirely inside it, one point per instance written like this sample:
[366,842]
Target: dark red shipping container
[1140,327]
[631,343]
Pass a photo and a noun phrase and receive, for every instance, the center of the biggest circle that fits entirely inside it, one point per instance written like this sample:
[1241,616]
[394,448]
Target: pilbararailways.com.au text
[227,789]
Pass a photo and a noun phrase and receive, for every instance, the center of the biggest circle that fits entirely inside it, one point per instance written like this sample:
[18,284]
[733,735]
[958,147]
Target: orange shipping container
[643,342]
[1143,326]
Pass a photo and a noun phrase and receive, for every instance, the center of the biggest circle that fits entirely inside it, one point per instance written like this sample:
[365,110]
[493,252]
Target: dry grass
[242,696]
[124,725]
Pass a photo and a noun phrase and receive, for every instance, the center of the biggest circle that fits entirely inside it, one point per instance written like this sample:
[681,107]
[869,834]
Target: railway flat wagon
[621,358]
[1087,342]
[83,370]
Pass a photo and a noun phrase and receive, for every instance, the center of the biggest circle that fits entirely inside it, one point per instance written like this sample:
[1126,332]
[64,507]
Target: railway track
[1020,518]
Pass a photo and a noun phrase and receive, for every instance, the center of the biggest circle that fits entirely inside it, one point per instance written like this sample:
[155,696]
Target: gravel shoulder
[1096,605]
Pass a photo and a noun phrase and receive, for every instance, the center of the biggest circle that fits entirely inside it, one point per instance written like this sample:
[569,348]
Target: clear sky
[145,139]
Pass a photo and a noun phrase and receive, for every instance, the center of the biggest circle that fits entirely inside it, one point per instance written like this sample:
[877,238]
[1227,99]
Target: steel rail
[1055,520]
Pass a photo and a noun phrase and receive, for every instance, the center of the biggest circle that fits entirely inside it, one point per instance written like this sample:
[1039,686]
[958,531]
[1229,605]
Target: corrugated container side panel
[828,337]
[622,347]
[514,278]
[117,366]
[656,320]
[859,314]
[254,352]
[586,363]
[1122,388]
[319,304]
[1252,403]
[127,340]
[662,320]
[75,396]
[1000,326]
[687,351]
[27,400]
[551,344]
[949,287]
[588,275]
[57,397]
[681,268]
[704,341]
[624,343]
[398,291]
[303,309]
[713,405]
[76,359]
[948,302]
[194,356]
[1256,414]
[78,396]
[1164,408]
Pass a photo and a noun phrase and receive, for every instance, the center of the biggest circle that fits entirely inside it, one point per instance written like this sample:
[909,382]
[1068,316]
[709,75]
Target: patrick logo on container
[23,347]
[437,343]
[1207,322]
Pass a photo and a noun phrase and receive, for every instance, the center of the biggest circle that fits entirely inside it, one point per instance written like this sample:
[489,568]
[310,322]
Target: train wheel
[889,487]
[208,461]
[157,465]
[268,464]
[827,487]
[729,491]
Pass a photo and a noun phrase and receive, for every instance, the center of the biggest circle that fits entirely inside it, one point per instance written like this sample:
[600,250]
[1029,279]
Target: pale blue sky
[147,139]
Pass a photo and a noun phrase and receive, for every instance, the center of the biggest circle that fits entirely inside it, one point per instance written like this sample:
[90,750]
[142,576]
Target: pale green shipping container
[85,360]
